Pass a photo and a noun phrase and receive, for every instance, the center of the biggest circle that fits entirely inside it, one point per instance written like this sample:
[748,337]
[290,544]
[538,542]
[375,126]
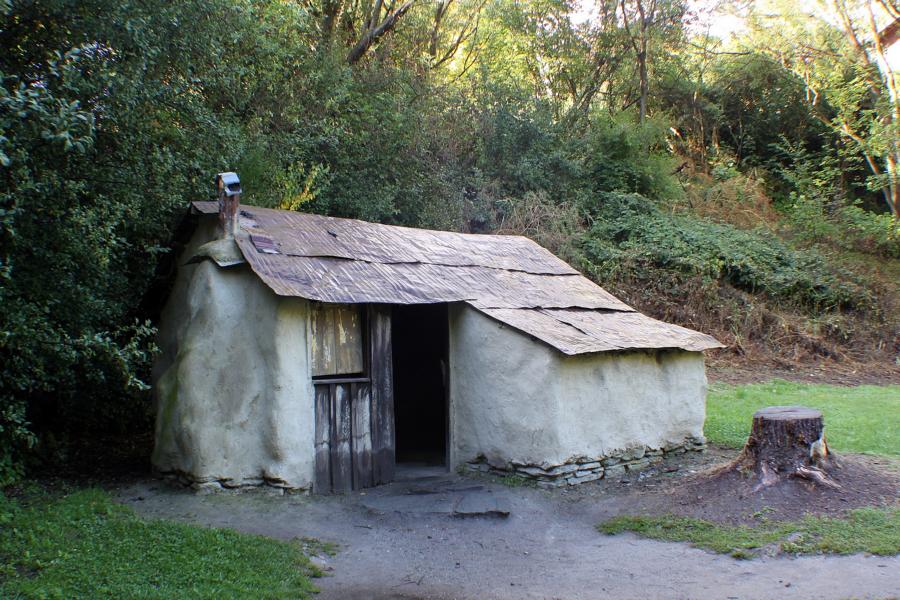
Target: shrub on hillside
[843,224]
[527,151]
[536,216]
[623,155]
[819,210]
[629,228]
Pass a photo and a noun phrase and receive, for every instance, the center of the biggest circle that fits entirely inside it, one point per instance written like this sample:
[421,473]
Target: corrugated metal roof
[342,280]
[581,331]
[510,278]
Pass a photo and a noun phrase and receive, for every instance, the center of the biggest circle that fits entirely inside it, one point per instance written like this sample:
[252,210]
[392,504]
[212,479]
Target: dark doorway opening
[420,338]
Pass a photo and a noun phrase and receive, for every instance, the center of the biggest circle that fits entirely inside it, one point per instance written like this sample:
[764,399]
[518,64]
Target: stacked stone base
[210,485]
[582,469]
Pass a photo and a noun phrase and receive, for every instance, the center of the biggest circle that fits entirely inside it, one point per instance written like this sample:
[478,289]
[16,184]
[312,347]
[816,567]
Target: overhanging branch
[373,34]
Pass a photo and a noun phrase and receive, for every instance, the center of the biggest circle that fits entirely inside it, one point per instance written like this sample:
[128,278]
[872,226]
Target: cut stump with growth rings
[787,441]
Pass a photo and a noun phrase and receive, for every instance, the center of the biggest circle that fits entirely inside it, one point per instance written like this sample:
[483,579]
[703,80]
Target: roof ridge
[209,203]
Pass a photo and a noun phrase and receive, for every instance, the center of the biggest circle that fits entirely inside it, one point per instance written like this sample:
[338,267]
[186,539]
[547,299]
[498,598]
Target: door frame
[445,352]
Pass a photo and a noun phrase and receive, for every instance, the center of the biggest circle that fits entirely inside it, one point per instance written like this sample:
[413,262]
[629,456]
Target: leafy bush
[844,224]
[554,226]
[16,439]
[630,228]
[623,155]
[878,233]
[818,210]
[111,118]
[525,151]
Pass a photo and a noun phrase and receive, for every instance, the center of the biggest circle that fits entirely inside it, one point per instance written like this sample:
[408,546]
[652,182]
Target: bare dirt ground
[443,536]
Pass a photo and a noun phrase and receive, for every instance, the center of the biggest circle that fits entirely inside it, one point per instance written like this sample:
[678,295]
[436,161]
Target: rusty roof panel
[350,281]
[580,331]
[300,234]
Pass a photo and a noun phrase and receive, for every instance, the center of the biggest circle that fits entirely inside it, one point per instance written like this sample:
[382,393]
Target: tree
[863,22]
[840,54]
[643,20]
[112,115]
[380,21]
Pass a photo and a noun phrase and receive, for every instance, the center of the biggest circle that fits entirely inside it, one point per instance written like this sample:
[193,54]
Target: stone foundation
[581,469]
[210,485]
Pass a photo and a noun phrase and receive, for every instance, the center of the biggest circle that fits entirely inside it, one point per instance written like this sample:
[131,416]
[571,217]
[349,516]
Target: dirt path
[410,540]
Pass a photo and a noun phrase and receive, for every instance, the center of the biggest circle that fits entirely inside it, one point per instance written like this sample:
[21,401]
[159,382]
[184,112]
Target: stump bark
[788,441]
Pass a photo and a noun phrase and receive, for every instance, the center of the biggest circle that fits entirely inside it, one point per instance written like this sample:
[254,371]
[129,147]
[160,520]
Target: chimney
[228,188]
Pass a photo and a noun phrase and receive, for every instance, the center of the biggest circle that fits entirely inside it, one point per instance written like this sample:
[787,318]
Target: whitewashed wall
[515,399]
[234,398]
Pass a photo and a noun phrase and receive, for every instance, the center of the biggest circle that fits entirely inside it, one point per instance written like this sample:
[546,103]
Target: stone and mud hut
[315,353]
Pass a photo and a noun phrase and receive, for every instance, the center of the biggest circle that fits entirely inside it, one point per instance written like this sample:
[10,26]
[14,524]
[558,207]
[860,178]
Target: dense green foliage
[857,419]
[617,147]
[101,137]
[630,229]
[872,530]
[83,545]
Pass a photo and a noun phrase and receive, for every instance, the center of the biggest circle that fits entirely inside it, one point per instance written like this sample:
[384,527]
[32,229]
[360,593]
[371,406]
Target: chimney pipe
[228,187]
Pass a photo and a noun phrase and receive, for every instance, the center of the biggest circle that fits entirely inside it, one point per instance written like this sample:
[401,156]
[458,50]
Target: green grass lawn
[857,419]
[83,545]
[872,530]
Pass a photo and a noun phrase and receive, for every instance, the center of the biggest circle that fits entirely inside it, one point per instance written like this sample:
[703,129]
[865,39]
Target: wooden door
[354,439]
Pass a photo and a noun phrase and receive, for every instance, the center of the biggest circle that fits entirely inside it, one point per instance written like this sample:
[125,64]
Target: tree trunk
[893,184]
[645,83]
[375,33]
[787,441]
[330,10]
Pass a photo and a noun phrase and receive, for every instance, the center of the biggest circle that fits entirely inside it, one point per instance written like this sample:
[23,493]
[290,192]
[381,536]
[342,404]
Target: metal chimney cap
[229,183]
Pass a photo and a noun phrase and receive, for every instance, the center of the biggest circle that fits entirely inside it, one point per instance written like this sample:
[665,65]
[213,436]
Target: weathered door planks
[341,439]
[362,435]
[354,427]
[322,483]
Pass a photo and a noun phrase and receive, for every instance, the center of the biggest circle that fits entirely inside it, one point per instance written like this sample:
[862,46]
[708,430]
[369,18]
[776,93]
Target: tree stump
[787,441]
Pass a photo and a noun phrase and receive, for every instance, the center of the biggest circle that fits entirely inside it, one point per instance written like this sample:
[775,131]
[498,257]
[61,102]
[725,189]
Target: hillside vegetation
[744,187]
